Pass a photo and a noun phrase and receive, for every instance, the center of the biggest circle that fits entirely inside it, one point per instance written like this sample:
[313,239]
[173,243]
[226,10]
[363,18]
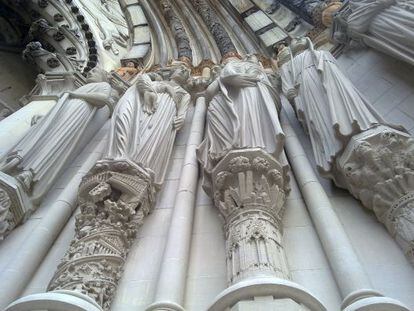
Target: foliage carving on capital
[377,167]
[250,188]
[250,179]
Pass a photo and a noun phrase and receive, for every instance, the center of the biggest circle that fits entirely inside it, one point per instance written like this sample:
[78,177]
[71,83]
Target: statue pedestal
[266,294]
[15,204]
[377,168]
[55,301]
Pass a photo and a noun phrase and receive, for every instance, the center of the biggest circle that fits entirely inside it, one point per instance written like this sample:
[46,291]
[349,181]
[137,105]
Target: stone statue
[385,25]
[145,122]
[128,72]
[110,20]
[241,113]
[327,103]
[352,144]
[119,191]
[39,157]
[245,172]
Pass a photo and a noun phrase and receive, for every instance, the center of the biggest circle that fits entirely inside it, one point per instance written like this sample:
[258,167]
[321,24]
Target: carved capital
[15,205]
[114,198]
[250,188]
[377,167]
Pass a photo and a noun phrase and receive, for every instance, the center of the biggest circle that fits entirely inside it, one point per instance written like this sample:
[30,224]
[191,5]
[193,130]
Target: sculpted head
[97,74]
[298,45]
[252,58]
[181,74]
[283,54]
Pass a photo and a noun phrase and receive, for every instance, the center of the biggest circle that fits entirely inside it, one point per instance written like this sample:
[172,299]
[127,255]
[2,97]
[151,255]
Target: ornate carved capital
[377,167]
[114,198]
[250,188]
[15,205]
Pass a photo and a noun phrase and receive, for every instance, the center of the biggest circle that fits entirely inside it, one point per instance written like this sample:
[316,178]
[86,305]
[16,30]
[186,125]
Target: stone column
[172,279]
[353,145]
[24,263]
[113,198]
[117,193]
[250,188]
[246,176]
[377,167]
[353,283]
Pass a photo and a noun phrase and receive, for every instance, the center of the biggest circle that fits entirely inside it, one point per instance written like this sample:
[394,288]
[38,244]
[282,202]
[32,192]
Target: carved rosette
[377,167]
[114,198]
[250,188]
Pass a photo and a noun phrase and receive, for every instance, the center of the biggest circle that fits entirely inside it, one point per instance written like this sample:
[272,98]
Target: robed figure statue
[35,162]
[242,113]
[146,121]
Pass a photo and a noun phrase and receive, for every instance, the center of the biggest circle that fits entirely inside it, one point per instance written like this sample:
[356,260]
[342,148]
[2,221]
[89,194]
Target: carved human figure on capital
[35,162]
[128,71]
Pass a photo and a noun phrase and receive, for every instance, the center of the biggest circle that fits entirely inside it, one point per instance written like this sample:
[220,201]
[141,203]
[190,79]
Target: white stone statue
[385,25]
[118,192]
[39,157]
[242,113]
[331,108]
[146,120]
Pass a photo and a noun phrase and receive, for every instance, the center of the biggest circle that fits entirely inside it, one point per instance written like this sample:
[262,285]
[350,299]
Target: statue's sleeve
[364,11]
[287,81]
[183,101]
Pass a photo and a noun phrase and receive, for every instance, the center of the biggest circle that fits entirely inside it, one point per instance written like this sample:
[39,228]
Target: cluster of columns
[245,173]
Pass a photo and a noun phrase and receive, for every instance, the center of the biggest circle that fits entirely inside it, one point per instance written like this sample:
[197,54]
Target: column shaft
[18,273]
[172,279]
[349,274]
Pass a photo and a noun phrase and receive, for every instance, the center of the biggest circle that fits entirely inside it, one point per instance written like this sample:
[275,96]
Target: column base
[370,300]
[61,300]
[284,293]
[164,306]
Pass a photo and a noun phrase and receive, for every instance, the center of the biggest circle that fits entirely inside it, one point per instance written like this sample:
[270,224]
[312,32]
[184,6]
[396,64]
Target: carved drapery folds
[114,197]
[244,170]
[377,167]
[250,188]
[352,144]
[379,25]
[28,169]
